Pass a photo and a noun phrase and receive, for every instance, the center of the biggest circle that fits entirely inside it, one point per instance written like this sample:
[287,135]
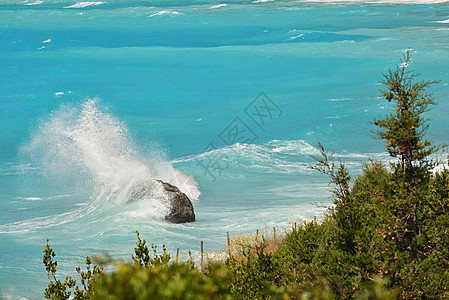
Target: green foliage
[63,290]
[172,281]
[87,279]
[297,270]
[388,241]
[153,276]
[403,130]
[391,224]
[296,254]
[338,174]
[143,257]
[255,275]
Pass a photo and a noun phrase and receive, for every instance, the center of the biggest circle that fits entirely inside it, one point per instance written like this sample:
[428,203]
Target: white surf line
[165,12]
[217,6]
[84,4]
[36,3]
[442,22]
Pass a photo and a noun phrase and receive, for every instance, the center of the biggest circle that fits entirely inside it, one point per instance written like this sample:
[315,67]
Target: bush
[156,277]
[63,290]
[173,281]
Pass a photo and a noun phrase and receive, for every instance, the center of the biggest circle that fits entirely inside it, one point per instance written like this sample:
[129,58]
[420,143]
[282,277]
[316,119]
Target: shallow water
[98,96]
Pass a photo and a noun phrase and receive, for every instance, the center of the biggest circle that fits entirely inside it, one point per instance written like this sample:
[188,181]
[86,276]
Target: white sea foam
[297,146]
[165,12]
[84,4]
[296,36]
[262,1]
[276,156]
[340,99]
[29,198]
[38,223]
[441,167]
[383,39]
[266,151]
[443,21]
[36,3]
[91,142]
[217,6]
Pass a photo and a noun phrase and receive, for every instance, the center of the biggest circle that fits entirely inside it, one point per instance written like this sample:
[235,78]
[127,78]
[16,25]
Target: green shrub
[172,281]
[63,290]
[154,276]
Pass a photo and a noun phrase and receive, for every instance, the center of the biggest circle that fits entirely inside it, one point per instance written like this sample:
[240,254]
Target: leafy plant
[153,276]
[404,129]
[143,257]
[63,290]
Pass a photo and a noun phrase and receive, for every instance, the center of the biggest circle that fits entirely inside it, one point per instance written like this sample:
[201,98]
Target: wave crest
[88,144]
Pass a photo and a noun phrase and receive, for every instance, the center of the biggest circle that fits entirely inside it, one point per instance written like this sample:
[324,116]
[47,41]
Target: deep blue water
[95,97]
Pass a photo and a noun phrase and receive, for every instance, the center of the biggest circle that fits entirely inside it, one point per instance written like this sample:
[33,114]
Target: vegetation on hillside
[385,237]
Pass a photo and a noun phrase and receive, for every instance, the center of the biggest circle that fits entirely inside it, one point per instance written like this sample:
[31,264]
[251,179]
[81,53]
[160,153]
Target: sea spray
[85,146]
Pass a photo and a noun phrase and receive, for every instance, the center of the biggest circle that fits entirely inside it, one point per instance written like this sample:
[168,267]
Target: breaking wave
[88,146]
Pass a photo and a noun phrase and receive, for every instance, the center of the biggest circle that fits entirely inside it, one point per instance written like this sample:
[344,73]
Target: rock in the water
[181,208]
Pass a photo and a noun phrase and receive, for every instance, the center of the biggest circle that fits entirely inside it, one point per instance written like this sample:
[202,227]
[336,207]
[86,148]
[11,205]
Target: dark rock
[181,208]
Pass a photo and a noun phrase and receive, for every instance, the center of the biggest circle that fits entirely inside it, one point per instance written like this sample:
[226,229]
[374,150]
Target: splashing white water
[88,144]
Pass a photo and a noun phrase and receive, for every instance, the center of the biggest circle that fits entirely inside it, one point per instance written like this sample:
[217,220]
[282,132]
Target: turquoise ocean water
[224,99]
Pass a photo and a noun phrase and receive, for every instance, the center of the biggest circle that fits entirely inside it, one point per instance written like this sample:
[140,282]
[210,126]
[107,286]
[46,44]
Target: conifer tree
[404,132]
[404,129]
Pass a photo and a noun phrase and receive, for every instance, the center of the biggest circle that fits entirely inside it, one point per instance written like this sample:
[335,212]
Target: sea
[227,100]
